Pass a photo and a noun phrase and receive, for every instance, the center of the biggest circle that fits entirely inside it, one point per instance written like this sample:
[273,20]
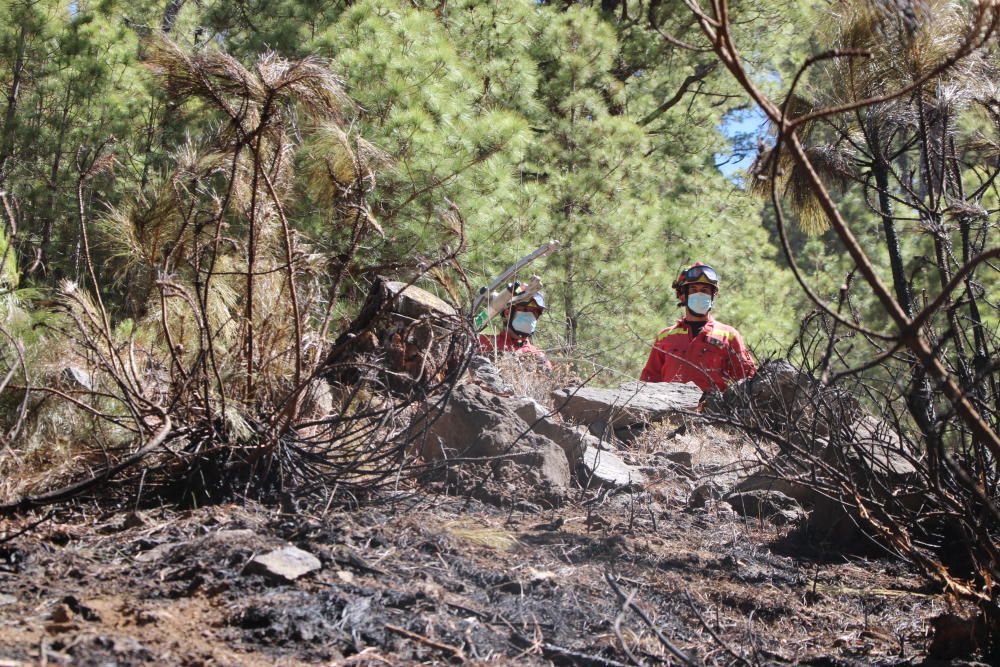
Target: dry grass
[482,534]
[529,377]
[708,445]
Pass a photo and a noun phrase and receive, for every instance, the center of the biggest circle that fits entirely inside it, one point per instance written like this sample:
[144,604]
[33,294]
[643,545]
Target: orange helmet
[696,273]
[536,300]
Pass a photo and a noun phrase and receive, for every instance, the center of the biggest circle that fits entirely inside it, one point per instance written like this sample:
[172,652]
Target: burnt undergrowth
[206,373]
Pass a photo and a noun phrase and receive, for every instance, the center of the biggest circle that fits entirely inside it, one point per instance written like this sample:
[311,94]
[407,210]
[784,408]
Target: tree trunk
[570,298]
[7,136]
[880,170]
[170,15]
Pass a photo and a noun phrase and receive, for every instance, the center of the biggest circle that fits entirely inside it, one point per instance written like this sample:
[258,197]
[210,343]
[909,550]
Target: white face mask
[699,303]
[524,323]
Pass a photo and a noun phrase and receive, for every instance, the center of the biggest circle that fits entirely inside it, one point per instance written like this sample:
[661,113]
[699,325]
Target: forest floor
[446,580]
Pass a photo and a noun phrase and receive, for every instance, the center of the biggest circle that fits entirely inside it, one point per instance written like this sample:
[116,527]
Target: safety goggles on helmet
[536,300]
[699,273]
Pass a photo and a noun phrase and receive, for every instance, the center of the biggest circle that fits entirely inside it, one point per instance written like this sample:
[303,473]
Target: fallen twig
[77,488]
[427,641]
[627,600]
[579,659]
[718,640]
[618,629]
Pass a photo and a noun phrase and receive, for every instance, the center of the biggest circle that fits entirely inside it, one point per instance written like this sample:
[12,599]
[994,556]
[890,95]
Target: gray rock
[830,521]
[704,493]
[478,425]
[768,480]
[788,402]
[573,440]
[548,460]
[599,428]
[870,446]
[779,386]
[159,552]
[866,451]
[825,438]
[415,302]
[487,376]
[80,376]
[288,563]
[473,424]
[631,403]
[317,400]
[597,442]
[601,467]
[680,458]
[769,505]
[529,410]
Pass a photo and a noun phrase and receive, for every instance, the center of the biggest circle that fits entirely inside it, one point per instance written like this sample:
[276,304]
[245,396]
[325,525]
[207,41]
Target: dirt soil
[445,580]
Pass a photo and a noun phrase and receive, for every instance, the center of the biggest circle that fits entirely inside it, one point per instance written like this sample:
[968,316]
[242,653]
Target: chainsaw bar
[481,317]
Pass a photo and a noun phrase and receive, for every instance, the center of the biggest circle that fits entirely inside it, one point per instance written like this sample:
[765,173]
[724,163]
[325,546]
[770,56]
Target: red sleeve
[741,363]
[654,365]
[485,343]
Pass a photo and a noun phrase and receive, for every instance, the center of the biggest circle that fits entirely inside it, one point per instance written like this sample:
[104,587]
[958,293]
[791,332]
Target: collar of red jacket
[514,339]
[709,324]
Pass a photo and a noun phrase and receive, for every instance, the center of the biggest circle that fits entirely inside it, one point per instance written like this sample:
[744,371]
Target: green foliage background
[537,119]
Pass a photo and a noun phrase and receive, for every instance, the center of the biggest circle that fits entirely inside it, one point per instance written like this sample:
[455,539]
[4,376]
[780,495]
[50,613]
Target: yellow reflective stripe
[671,332]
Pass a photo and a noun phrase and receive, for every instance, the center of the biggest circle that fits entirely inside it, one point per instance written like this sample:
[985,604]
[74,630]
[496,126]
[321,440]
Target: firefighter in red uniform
[521,319]
[699,348]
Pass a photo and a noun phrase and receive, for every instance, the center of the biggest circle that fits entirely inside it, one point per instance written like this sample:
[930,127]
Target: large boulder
[603,468]
[873,462]
[831,451]
[541,420]
[478,425]
[787,402]
[870,446]
[631,403]
[767,505]
[830,521]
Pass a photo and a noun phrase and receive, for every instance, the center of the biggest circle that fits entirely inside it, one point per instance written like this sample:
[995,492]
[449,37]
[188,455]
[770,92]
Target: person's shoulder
[724,330]
[676,328]
[487,342]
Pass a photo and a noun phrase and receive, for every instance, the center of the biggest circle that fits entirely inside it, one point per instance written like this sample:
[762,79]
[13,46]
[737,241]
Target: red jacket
[506,342]
[713,359]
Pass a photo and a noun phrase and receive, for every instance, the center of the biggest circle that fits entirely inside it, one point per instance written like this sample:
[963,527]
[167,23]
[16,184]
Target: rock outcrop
[631,403]
[830,449]
[573,439]
[604,468]
[477,425]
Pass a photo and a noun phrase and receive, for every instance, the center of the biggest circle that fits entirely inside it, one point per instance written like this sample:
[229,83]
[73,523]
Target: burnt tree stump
[412,335]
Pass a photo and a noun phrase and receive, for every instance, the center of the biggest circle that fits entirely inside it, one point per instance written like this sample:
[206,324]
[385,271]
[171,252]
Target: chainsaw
[500,300]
